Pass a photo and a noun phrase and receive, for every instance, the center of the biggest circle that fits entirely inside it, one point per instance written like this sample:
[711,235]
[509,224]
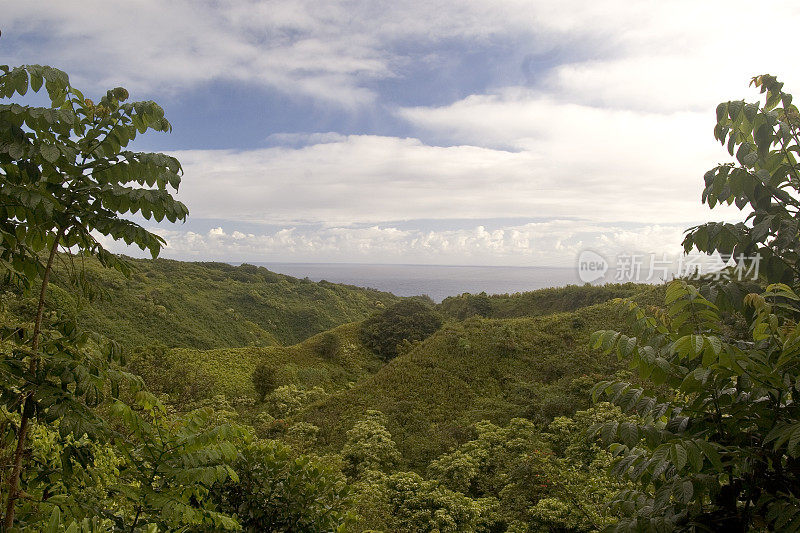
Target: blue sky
[473,132]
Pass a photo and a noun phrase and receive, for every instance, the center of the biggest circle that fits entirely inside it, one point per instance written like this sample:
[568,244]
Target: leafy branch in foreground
[765,139]
[172,464]
[716,439]
[64,178]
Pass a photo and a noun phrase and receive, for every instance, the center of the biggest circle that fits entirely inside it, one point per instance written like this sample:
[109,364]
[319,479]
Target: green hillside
[197,332]
[535,367]
[229,369]
[546,301]
[198,374]
[479,369]
[204,305]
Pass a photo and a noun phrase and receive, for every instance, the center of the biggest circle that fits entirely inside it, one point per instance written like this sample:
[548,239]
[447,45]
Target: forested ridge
[473,382]
[153,395]
[201,305]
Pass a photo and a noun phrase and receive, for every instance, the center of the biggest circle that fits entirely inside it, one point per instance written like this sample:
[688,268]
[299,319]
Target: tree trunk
[27,411]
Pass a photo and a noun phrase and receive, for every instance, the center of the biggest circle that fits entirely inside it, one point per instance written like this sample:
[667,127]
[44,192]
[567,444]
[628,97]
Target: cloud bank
[551,243]
[595,118]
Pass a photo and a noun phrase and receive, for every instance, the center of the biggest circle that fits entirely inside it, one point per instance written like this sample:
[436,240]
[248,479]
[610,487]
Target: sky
[501,132]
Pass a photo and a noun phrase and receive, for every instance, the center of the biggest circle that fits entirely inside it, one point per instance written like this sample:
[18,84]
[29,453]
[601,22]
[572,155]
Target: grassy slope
[497,368]
[229,369]
[212,305]
[478,369]
[547,301]
[537,367]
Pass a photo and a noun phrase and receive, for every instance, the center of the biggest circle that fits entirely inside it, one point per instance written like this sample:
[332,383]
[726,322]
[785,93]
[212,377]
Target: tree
[327,345]
[554,481]
[416,504]
[765,179]
[715,442]
[172,464]
[408,319]
[505,464]
[74,474]
[64,178]
[405,502]
[370,446]
[467,305]
[278,491]
[288,400]
[577,475]
[265,379]
[716,439]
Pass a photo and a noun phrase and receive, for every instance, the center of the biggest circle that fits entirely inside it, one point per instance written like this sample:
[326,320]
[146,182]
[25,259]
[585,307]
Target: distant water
[438,282]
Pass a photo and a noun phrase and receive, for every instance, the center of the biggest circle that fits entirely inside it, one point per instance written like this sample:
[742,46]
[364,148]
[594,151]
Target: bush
[409,320]
[327,345]
[287,400]
[149,363]
[467,305]
[265,380]
[370,446]
[278,491]
[182,381]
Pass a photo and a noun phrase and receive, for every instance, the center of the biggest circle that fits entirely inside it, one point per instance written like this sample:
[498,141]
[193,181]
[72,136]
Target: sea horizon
[436,281]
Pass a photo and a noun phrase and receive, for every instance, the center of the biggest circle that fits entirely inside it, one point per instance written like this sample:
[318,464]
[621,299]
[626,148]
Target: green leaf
[694,456]
[687,491]
[54,524]
[36,81]
[21,82]
[763,138]
[711,453]
[16,151]
[629,433]
[697,343]
[49,152]
[678,455]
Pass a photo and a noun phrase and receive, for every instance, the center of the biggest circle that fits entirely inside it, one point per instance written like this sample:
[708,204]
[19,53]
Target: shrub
[183,381]
[265,380]
[409,320]
[188,383]
[149,363]
[278,491]
[327,345]
[467,305]
[370,446]
[289,399]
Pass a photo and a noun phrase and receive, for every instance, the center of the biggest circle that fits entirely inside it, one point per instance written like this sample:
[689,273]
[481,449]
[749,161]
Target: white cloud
[674,56]
[653,53]
[552,243]
[618,131]
[617,168]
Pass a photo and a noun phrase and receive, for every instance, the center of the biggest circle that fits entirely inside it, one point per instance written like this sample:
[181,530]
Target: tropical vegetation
[155,395]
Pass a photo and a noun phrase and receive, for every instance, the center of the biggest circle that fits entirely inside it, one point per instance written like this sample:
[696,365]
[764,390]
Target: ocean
[436,281]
